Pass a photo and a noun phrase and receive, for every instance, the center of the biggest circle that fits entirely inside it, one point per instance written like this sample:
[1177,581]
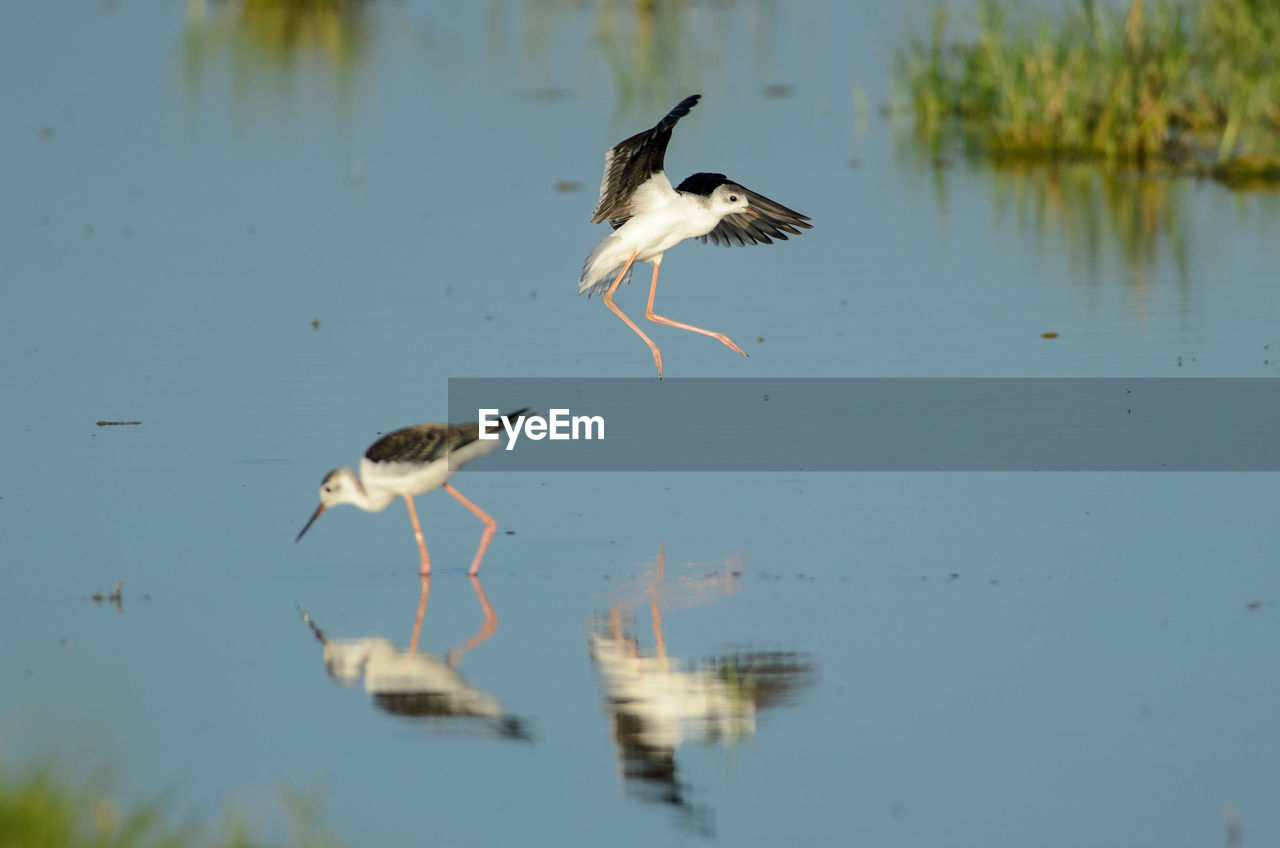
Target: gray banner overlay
[888,424]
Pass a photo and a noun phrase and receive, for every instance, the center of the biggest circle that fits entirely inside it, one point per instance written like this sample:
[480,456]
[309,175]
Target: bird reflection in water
[657,702]
[422,686]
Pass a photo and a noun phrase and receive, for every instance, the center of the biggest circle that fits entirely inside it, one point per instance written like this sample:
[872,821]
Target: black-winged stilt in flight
[649,217]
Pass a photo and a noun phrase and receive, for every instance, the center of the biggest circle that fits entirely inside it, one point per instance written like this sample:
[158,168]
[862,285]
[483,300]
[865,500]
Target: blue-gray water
[979,659]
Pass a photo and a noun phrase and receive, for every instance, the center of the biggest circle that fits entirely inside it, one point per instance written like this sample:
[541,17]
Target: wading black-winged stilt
[649,217]
[407,462]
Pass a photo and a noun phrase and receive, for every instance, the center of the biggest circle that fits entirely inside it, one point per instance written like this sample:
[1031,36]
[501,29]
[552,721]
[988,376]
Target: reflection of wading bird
[649,217]
[409,462]
[417,685]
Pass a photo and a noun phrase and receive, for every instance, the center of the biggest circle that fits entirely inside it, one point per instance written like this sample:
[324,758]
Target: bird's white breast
[663,219]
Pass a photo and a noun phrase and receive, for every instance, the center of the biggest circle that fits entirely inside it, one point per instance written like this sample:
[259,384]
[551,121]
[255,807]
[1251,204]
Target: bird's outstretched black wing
[628,164]
[771,221]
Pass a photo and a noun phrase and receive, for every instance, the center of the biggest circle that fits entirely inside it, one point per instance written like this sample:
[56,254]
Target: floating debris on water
[118,423]
[115,597]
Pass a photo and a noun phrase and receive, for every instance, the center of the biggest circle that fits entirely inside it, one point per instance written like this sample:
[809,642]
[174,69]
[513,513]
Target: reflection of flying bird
[669,701]
[415,685]
[657,702]
[409,462]
[649,217]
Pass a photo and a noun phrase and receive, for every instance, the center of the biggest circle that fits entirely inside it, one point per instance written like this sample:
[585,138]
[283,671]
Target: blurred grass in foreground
[1187,86]
[39,810]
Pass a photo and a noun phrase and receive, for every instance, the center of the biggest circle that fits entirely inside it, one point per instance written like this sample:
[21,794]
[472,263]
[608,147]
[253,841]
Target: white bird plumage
[649,217]
[408,462]
[668,217]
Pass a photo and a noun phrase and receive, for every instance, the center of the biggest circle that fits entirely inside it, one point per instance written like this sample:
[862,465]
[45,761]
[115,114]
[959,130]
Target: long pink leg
[425,567]
[422,611]
[653,599]
[649,313]
[615,622]
[489,526]
[487,629]
[608,301]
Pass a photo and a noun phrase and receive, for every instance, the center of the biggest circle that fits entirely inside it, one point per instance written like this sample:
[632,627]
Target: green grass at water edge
[1187,86]
[39,810]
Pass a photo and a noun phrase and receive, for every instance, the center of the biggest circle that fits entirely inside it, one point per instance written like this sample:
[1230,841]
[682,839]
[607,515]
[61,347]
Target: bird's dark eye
[733,198]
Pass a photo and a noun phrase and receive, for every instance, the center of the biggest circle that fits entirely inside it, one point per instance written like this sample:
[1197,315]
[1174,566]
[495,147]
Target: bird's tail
[596,278]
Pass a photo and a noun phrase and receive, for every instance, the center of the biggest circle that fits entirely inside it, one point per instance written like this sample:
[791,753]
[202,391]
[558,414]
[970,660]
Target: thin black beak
[310,521]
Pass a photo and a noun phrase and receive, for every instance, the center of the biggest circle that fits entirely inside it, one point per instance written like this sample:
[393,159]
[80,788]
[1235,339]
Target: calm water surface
[270,239]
